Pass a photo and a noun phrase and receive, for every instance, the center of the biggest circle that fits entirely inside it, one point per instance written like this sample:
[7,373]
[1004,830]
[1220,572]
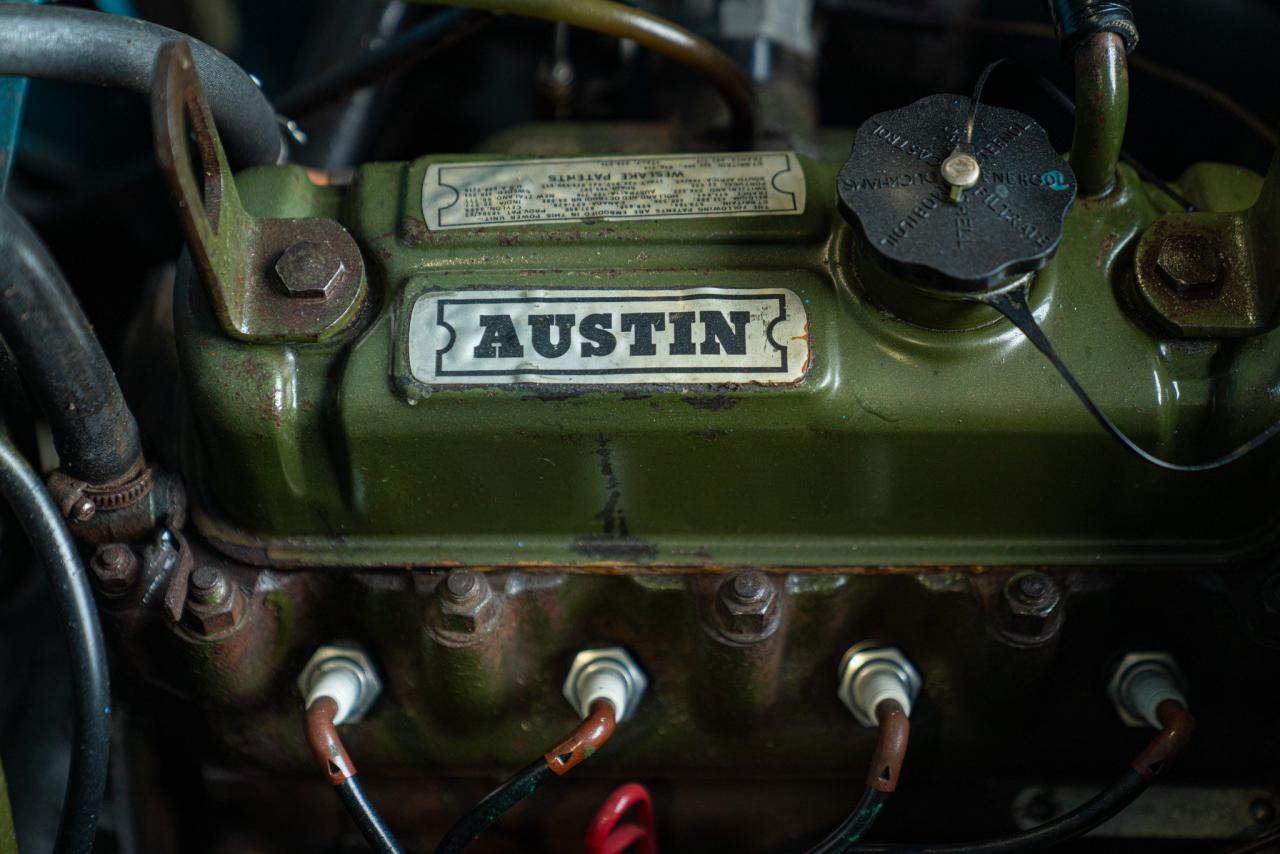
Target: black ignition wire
[1177,726]
[90,685]
[893,729]
[585,739]
[329,752]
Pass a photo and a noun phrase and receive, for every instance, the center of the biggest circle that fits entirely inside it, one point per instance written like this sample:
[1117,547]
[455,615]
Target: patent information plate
[600,337]
[511,192]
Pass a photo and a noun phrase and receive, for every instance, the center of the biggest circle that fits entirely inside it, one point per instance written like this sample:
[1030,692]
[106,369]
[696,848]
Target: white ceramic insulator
[603,683]
[342,684]
[1147,689]
[882,683]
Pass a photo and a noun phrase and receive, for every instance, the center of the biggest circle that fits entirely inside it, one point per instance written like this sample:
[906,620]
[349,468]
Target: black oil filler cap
[949,214]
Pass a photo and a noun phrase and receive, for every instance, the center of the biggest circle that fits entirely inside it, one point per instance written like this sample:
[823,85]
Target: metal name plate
[521,192]
[600,337]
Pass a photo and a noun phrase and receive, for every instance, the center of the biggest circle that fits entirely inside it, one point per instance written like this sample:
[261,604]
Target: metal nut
[309,270]
[1190,264]
[115,568]
[214,603]
[345,655]
[864,659]
[613,658]
[464,605]
[1134,664]
[746,607]
[1030,607]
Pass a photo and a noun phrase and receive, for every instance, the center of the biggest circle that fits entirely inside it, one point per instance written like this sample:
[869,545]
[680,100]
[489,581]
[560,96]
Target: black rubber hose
[50,540]
[93,430]
[83,46]
[397,53]
[375,832]
[519,786]
[1101,807]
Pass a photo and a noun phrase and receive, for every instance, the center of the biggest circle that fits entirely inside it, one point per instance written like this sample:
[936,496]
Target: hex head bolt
[465,605]
[1190,264]
[115,568]
[214,604]
[1030,609]
[746,607]
[309,270]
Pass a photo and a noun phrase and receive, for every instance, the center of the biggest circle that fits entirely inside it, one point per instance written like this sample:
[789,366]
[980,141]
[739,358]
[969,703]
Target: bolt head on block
[465,606]
[1031,607]
[309,269]
[746,607]
[1190,263]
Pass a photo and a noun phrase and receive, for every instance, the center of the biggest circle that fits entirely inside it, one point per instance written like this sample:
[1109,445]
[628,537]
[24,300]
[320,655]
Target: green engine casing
[901,446]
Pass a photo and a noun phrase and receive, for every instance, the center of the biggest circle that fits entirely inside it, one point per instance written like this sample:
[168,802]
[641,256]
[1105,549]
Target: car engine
[681,425]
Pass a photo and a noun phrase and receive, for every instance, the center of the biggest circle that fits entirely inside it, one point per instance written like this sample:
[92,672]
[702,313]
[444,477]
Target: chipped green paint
[902,446]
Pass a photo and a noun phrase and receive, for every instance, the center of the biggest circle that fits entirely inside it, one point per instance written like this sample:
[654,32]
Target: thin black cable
[856,825]
[1012,303]
[90,687]
[371,825]
[977,99]
[395,54]
[1100,808]
[519,786]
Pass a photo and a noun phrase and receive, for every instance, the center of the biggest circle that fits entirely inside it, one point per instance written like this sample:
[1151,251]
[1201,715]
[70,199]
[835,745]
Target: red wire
[608,834]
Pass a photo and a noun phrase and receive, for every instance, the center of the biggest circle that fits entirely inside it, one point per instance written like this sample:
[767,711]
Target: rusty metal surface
[497,704]
[1102,108]
[1031,608]
[1212,275]
[429,747]
[239,256]
[123,510]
